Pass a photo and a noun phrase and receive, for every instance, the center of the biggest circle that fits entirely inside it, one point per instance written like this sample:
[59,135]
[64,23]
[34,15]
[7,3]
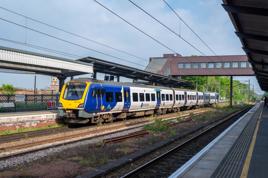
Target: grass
[157,127]
[93,160]
[25,130]
[219,110]
[160,126]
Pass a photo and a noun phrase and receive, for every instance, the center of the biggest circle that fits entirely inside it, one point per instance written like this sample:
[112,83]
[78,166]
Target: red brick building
[177,65]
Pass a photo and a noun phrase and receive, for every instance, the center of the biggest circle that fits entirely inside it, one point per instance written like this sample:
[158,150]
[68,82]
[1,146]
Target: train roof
[129,84]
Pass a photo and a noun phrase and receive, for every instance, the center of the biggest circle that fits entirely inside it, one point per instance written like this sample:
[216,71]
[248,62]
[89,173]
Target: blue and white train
[84,100]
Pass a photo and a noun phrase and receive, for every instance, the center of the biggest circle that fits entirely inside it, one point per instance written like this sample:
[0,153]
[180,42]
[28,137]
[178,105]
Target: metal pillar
[61,82]
[231,91]
[248,90]
[35,90]
[118,78]
[94,75]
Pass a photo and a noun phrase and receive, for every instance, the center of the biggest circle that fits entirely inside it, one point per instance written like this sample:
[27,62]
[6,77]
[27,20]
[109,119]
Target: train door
[97,95]
[185,98]
[126,98]
[158,100]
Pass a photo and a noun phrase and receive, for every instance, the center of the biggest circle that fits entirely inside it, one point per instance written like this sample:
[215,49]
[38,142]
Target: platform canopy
[111,68]
[250,19]
[14,59]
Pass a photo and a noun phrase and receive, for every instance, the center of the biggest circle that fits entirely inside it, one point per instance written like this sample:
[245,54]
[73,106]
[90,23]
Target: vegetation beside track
[30,129]
[160,125]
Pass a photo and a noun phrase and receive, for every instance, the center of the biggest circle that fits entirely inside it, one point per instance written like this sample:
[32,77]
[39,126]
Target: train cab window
[147,96]
[167,97]
[118,97]
[109,97]
[141,96]
[153,97]
[135,97]
[163,97]
[177,97]
[171,97]
[74,91]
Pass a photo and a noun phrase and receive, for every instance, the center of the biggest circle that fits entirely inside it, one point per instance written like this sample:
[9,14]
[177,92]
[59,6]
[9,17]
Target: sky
[87,18]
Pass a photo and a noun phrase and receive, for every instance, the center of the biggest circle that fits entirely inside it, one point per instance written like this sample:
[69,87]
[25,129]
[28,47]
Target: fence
[29,102]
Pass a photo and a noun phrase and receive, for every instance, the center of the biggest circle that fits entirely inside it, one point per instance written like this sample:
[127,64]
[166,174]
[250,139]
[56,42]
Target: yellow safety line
[245,170]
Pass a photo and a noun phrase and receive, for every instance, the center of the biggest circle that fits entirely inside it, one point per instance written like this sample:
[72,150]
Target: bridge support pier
[231,91]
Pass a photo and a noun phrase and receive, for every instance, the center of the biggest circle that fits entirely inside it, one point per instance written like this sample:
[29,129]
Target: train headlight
[81,105]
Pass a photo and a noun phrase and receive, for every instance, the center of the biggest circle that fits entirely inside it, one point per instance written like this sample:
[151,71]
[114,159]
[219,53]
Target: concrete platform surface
[16,120]
[206,162]
[7,114]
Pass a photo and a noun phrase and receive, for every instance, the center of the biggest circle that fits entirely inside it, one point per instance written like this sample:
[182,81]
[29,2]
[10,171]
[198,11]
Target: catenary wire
[172,31]
[72,33]
[41,48]
[188,26]
[66,41]
[140,30]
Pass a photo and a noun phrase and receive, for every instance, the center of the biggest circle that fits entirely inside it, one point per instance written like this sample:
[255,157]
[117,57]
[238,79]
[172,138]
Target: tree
[8,89]
[220,84]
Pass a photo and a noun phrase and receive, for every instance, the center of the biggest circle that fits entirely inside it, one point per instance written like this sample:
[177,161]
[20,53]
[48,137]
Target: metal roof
[42,64]
[250,19]
[133,73]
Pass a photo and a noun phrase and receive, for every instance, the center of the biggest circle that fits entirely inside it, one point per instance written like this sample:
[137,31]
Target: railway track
[170,160]
[37,141]
[37,133]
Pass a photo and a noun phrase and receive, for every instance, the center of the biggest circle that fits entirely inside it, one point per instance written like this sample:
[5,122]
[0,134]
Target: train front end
[72,102]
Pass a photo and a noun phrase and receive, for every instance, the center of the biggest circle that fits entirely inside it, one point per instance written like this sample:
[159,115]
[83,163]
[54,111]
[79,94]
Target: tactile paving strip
[232,165]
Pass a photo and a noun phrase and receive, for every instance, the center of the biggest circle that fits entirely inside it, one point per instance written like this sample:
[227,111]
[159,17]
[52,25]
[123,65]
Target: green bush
[8,89]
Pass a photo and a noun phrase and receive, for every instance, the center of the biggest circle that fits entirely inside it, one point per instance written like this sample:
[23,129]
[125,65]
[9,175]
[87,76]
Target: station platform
[16,120]
[240,151]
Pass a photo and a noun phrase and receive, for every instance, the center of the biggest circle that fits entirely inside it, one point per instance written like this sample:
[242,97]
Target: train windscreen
[74,91]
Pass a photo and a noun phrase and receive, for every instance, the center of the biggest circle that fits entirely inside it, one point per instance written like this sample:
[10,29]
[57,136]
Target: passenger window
[109,97]
[141,97]
[135,97]
[147,96]
[163,97]
[182,97]
[177,97]
[118,97]
[167,97]
[171,97]
[153,97]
